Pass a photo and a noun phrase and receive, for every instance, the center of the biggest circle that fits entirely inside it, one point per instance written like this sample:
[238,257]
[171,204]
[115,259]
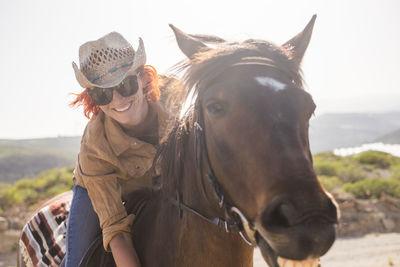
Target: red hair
[151,90]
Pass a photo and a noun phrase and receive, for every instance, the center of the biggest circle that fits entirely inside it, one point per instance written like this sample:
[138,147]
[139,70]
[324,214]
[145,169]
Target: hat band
[112,70]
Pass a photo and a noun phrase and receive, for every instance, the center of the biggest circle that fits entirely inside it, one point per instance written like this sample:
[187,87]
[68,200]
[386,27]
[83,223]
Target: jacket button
[137,167]
[134,144]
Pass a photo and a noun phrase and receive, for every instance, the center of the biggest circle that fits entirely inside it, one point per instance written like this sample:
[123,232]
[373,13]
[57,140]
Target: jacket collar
[120,141]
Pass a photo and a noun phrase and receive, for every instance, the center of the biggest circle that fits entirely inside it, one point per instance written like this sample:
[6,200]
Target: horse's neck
[201,242]
[163,238]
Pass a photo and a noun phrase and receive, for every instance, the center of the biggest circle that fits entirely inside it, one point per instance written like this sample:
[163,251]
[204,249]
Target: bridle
[234,220]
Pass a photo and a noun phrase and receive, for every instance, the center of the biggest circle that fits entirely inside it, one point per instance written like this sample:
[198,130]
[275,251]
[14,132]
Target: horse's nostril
[286,210]
[282,214]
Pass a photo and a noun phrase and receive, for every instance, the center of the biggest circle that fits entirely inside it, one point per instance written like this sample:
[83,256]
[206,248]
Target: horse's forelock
[210,63]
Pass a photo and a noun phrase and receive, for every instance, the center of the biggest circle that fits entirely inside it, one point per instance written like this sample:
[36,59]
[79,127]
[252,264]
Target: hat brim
[114,78]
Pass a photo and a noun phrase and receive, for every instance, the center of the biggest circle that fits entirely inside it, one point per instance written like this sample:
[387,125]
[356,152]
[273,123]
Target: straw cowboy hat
[107,61]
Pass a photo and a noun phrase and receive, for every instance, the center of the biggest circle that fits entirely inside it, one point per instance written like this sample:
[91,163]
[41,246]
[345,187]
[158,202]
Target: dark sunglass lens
[101,96]
[129,86]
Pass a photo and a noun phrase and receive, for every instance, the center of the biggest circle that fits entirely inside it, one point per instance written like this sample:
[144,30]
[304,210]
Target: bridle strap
[228,226]
[232,213]
[235,221]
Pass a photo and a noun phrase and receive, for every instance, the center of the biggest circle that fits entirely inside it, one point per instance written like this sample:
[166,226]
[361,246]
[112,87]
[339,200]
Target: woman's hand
[123,251]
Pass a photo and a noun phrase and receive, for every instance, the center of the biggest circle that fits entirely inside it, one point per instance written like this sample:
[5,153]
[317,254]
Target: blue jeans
[82,228]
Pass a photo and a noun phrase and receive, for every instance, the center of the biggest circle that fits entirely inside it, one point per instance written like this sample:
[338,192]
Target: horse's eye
[216,108]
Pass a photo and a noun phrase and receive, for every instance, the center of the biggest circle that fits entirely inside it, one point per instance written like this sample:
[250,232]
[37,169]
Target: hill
[28,158]
[330,131]
[391,138]
[66,146]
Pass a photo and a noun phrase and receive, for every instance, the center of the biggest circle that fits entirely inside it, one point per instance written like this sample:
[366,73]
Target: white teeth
[124,108]
[291,263]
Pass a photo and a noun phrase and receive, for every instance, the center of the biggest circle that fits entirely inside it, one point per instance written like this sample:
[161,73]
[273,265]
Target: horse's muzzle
[297,231]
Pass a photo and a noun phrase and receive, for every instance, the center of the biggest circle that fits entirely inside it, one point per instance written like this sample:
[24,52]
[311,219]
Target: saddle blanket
[42,241]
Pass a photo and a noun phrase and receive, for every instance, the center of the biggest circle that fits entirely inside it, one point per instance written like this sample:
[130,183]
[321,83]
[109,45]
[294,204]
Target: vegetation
[366,175]
[373,188]
[375,159]
[30,191]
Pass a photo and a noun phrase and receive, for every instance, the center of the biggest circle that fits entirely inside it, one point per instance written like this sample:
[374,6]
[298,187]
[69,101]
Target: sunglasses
[103,96]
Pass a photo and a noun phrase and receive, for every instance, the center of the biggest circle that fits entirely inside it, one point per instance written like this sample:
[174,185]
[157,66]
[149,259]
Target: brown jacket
[111,165]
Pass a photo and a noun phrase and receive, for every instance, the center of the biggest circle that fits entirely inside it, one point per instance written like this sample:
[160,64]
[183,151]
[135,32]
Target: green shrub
[326,168]
[24,184]
[3,195]
[23,191]
[330,183]
[56,190]
[375,158]
[373,188]
[351,173]
[29,191]
[396,174]
[326,156]
[346,169]
[24,195]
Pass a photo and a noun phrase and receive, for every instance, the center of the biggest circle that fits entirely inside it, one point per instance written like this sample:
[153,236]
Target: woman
[118,145]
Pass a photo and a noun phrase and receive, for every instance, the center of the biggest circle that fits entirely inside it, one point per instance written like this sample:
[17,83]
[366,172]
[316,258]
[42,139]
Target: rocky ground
[360,217]
[356,246]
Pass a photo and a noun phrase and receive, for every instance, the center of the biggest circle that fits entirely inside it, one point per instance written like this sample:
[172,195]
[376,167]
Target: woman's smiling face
[128,111]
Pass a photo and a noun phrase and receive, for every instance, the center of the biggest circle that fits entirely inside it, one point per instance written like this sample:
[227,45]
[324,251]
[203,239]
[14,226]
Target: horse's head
[255,117]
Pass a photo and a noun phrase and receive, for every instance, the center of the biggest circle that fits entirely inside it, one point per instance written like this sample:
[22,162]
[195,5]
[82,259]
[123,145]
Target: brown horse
[238,164]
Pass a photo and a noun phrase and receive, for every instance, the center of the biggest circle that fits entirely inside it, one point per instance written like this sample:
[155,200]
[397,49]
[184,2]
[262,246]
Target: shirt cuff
[122,226]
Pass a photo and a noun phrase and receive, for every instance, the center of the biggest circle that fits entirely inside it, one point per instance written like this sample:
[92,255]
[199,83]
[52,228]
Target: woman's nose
[117,97]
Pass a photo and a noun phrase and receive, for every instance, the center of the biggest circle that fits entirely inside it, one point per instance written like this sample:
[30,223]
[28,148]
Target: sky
[352,63]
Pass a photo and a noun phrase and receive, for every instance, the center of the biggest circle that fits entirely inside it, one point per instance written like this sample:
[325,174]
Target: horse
[236,170]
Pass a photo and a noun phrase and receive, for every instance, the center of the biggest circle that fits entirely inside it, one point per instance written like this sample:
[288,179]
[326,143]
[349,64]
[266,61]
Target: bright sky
[352,63]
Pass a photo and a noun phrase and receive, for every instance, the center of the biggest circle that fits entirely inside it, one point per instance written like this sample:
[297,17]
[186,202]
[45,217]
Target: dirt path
[381,250]
[8,259]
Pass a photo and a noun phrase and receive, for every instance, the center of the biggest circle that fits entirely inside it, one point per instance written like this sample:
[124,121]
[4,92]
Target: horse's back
[63,197]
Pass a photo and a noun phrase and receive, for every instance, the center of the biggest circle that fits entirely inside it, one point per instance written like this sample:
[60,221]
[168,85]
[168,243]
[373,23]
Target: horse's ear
[297,46]
[188,44]
[208,38]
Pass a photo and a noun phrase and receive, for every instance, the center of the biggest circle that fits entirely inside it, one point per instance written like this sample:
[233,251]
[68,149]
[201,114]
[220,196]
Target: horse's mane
[170,153]
[202,69]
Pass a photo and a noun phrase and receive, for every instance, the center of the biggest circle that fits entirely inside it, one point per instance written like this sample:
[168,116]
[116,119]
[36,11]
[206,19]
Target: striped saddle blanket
[42,241]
